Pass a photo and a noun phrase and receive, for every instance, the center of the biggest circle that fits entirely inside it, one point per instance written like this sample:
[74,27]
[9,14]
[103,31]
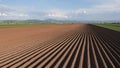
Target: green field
[21,25]
[115,27]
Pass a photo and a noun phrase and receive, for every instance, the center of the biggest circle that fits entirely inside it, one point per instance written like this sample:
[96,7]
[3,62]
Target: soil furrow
[67,46]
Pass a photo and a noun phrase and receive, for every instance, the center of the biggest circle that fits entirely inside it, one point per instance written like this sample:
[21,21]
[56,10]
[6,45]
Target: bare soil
[61,46]
[14,37]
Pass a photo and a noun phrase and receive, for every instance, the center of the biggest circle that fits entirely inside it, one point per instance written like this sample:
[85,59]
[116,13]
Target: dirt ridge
[88,46]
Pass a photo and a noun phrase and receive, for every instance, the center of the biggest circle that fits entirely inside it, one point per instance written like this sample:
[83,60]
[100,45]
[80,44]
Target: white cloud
[3,14]
[84,11]
[22,15]
[80,11]
[57,14]
[8,12]
[108,10]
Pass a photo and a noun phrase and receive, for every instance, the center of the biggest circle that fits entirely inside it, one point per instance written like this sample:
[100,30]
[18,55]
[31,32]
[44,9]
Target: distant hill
[55,21]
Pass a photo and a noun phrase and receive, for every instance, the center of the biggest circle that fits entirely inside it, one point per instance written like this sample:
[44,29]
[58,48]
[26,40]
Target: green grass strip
[22,25]
[115,27]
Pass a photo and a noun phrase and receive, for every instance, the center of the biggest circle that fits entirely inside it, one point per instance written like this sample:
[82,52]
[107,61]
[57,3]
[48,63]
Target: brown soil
[14,37]
[75,46]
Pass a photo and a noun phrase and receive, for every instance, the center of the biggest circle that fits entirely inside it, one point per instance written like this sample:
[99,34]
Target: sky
[60,9]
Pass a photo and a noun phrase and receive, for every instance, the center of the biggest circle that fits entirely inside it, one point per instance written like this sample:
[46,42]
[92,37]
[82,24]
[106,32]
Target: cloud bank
[108,10]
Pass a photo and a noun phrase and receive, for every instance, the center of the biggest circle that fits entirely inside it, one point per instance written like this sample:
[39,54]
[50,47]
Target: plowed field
[61,46]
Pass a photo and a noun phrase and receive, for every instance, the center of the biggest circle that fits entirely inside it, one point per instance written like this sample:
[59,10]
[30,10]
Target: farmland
[75,46]
[14,25]
[115,27]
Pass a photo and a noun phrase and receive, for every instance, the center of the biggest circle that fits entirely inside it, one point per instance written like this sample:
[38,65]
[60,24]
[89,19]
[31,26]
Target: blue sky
[60,9]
